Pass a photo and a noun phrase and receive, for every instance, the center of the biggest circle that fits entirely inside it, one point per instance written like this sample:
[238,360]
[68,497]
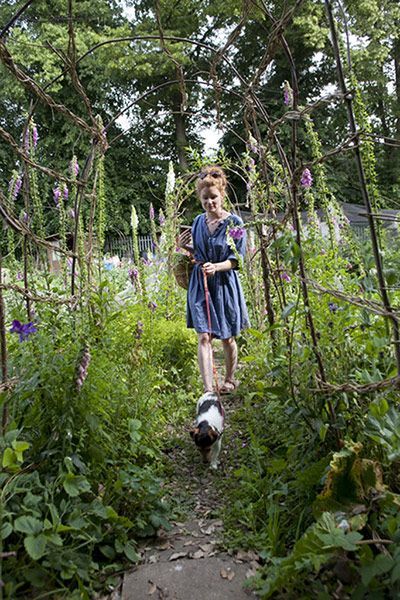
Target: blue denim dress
[228,309]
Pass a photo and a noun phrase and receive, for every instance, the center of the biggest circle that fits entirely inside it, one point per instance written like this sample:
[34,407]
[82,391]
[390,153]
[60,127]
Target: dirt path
[189,562]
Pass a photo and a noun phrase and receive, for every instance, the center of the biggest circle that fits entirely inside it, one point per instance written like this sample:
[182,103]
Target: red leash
[207,296]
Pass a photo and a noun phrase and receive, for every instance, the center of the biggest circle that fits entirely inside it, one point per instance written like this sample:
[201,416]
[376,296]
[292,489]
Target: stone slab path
[189,562]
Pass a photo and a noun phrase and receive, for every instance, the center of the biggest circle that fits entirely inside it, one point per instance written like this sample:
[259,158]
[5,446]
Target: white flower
[134,219]
[170,179]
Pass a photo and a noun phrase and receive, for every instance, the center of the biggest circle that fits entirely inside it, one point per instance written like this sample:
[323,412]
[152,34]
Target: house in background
[356,214]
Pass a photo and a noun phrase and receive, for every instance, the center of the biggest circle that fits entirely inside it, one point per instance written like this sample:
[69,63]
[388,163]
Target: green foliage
[81,466]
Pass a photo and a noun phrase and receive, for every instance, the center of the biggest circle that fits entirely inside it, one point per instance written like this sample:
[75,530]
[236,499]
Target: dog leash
[215,373]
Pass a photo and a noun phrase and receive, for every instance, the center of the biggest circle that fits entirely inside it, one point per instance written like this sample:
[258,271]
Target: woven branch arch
[254,113]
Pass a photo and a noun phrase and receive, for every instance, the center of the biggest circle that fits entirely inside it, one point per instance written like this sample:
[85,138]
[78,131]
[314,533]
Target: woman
[218,261]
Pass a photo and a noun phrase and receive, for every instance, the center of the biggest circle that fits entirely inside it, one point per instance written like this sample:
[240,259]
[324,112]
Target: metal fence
[122,246]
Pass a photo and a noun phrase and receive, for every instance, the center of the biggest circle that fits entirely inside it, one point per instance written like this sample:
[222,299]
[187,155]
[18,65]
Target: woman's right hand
[185,240]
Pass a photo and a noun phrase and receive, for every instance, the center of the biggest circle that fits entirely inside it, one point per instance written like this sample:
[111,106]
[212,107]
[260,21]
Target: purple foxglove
[306,179]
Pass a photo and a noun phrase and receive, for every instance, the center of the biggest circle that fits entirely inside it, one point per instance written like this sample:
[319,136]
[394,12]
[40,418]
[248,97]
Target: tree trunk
[395,165]
[180,131]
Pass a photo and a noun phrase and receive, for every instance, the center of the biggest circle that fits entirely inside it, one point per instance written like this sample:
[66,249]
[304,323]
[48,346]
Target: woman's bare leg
[205,358]
[230,354]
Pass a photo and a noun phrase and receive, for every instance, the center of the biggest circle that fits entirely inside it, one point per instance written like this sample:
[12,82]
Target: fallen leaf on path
[153,559]
[248,556]
[209,530]
[254,564]
[207,547]
[152,588]
[189,543]
[177,555]
[198,554]
[250,573]
[164,546]
[227,574]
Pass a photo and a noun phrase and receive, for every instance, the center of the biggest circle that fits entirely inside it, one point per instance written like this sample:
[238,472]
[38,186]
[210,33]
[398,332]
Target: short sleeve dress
[228,309]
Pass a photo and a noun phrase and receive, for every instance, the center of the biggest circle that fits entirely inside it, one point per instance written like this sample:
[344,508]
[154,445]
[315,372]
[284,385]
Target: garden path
[189,561]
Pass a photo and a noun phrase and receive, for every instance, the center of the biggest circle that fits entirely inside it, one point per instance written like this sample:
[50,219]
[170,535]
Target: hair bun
[211,176]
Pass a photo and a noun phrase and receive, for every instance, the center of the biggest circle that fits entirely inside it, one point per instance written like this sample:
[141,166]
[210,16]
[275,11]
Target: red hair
[211,176]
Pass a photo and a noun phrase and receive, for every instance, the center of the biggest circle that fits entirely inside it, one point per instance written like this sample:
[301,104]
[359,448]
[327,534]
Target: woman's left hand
[209,268]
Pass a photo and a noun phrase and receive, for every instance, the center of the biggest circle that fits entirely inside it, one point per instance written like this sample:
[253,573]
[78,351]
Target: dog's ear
[213,434]
[193,432]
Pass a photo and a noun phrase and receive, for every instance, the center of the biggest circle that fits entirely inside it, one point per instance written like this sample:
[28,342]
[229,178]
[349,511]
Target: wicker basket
[183,267]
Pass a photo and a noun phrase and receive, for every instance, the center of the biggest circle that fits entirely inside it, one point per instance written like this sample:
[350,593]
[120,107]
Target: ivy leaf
[27,524]
[75,484]
[35,545]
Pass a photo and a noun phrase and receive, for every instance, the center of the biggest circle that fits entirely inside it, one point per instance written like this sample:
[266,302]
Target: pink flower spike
[306,179]
[35,136]
[286,277]
[56,195]
[237,233]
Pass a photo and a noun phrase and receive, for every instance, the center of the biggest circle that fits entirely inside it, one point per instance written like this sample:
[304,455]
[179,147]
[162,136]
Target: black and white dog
[209,427]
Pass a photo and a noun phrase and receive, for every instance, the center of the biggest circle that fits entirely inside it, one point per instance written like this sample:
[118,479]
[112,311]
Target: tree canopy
[166,61]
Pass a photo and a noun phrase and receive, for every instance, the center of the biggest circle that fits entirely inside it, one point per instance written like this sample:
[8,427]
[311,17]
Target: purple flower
[306,178]
[151,211]
[71,214]
[26,139]
[19,276]
[82,369]
[17,186]
[23,330]
[333,307]
[139,330]
[161,218]
[250,165]
[152,306]
[57,195]
[74,167]
[14,187]
[287,94]
[133,274]
[236,233]
[35,136]
[25,218]
[65,192]
[286,277]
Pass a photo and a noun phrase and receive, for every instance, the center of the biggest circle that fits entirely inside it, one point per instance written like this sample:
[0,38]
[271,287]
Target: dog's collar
[219,433]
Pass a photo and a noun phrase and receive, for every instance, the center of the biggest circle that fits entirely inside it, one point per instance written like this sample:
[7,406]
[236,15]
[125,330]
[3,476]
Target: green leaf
[75,484]
[35,545]
[108,551]
[130,552]
[9,458]
[248,359]
[289,308]
[6,530]
[20,446]
[27,524]
[382,564]
[322,431]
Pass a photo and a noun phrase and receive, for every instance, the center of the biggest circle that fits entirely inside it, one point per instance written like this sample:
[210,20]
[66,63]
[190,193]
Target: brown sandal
[229,387]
